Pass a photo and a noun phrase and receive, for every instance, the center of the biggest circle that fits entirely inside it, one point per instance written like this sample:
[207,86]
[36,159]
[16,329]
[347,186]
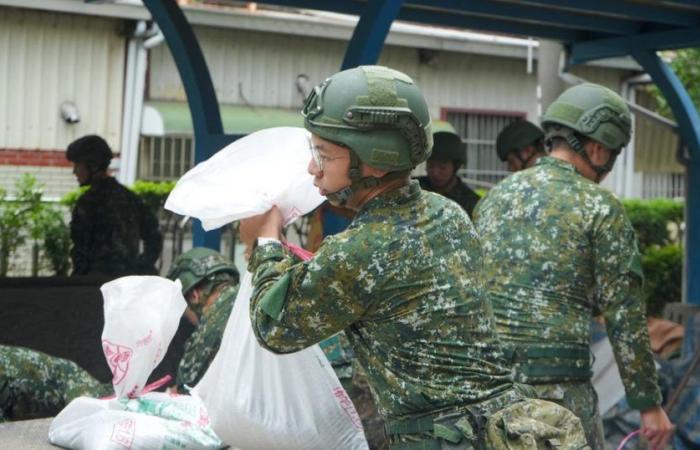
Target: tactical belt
[536,365]
[466,422]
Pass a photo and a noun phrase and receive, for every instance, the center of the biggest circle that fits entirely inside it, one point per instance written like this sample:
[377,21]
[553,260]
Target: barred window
[478,130]
[163,158]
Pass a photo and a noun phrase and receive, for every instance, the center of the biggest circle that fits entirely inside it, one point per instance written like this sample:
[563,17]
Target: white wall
[47,58]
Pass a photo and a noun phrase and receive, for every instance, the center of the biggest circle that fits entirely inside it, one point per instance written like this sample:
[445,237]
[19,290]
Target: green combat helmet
[594,112]
[448,146]
[198,264]
[518,135]
[377,112]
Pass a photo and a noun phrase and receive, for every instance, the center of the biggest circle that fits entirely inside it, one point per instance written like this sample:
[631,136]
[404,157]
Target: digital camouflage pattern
[404,282]
[339,353]
[558,247]
[203,344]
[460,193]
[581,399]
[108,223]
[522,425]
[34,384]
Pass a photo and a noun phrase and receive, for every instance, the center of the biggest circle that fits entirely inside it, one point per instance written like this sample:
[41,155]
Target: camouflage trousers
[581,399]
[34,385]
[506,422]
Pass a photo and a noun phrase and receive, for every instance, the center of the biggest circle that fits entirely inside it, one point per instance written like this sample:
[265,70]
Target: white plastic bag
[248,177]
[151,422]
[261,401]
[142,314]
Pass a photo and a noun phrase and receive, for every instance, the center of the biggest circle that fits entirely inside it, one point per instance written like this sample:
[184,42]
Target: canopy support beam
[209,134]
[370,33]
[689,128]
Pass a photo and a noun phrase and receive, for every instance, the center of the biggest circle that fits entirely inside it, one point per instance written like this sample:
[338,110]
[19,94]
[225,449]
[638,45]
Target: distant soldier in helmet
[210,285]
[557,246]
[109,221]
[448,155]
[520,144]
[403,280]
[34,384]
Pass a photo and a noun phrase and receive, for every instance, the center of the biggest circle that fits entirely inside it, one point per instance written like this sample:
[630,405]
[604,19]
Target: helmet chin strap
[600,170]
[357,182]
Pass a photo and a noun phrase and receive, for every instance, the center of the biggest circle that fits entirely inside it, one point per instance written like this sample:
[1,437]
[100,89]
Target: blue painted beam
[647,12]
[370,33]
[536,15]
[209,135]
[442,18]
[489,25]
[620,46]
[689,127]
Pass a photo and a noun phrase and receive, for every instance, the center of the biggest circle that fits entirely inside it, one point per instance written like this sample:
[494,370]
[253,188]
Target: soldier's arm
[297,304]
[81,229]
[150,235]
[619,279]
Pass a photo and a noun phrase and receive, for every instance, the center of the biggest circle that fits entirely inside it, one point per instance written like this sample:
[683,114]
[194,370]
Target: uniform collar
[397,197]
[557,163]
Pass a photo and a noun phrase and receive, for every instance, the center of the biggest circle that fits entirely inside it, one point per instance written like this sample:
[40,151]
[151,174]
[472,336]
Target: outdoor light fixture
[69,112]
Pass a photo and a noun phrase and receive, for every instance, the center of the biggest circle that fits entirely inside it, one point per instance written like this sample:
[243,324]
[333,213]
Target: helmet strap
[357,182]
[525,161]
[576,144]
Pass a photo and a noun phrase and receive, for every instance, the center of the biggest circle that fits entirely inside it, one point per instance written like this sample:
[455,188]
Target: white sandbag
[261,401]
[153,421]
[142,314]
[248,177]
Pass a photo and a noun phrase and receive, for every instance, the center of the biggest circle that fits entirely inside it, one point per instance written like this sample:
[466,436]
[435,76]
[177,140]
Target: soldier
[109,221]
[210,285]
[34,384]
[448,155]
[557,246]
[520,144]
[403,280]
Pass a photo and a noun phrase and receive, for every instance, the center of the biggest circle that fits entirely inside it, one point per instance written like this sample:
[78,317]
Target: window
[478,130]
[165,158]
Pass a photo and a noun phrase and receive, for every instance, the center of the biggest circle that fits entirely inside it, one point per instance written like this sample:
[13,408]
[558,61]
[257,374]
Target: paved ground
[26,435]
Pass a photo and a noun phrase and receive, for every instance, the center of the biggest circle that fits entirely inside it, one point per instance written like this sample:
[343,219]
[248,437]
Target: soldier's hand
[268,225]
[656,427]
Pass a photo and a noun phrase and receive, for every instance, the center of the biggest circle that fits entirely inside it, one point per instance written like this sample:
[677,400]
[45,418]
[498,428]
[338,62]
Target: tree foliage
[686,64]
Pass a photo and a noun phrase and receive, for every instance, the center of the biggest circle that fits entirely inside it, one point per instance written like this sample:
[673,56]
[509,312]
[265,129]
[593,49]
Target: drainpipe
[143,39]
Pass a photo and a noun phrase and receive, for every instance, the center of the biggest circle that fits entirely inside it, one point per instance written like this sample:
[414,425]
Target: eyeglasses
[319,158]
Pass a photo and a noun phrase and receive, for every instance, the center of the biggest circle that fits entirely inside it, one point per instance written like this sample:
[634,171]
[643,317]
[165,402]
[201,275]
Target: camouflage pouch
[535,425]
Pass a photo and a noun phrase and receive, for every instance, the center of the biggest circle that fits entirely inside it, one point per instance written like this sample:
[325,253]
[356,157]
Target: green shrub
[153,193]
[651,220]
[663,275]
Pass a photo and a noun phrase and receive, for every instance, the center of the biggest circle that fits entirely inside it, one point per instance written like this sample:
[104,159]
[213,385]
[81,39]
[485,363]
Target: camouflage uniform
[404,283]
[460,193]
[204,342]
[557,247]
[108,223]
[34,384]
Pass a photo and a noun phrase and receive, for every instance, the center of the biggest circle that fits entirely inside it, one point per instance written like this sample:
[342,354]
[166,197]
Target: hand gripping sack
[142,314]
[248,177]
[261,401]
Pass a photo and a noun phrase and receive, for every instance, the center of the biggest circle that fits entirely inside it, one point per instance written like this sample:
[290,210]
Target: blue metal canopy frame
[589,29]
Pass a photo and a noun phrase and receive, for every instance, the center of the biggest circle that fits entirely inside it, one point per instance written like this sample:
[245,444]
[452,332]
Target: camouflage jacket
[34,384]
[204,342]
[460,193]
[404,282]
[557,247]
[108,223]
